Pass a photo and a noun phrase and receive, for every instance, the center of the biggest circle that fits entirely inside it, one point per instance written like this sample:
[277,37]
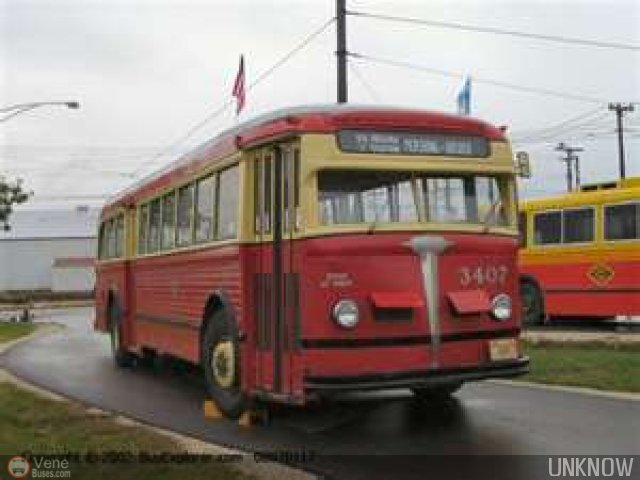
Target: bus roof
[593,194]
[305,119]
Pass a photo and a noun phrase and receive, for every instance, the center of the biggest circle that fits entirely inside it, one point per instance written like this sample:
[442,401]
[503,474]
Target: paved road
[405,436]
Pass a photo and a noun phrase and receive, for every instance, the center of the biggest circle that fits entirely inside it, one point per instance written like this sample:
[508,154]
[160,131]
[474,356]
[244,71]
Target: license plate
[503,349]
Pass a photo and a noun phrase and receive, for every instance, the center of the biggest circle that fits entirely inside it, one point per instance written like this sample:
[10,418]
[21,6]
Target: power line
[584,136]
[571,120]
[566,126]
[225,105]
[367,86]
[69,197]
[488,81]
[499,31]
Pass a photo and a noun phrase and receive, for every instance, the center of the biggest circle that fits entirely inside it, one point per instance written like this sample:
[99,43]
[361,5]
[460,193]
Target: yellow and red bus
[581,253]
[321,249]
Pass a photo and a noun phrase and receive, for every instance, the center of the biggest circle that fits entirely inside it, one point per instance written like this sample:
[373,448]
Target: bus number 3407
[492,274]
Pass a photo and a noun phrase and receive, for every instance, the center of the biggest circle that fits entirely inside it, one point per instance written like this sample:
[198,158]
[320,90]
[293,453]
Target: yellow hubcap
[223,364]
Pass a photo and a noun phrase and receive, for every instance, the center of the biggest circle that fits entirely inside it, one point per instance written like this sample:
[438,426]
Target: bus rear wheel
[532,305]
[436,392]
[121,357]
[221,364]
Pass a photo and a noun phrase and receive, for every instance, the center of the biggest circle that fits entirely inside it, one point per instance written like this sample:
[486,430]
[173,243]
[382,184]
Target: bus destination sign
[403,143]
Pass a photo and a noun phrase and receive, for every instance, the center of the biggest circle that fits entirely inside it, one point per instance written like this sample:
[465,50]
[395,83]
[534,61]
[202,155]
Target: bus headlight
[345,313]
[501,307]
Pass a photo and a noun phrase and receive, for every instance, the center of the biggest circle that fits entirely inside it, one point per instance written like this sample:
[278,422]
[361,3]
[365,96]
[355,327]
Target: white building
[49,250]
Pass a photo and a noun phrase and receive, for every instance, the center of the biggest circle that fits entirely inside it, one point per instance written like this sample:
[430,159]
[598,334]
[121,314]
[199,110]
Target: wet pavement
[405,436]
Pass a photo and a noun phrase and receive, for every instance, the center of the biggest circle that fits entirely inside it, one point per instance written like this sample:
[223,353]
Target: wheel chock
[211,410]
[255,416]
[247,419]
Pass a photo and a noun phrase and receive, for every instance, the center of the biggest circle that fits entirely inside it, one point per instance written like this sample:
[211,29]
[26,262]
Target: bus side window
[119,234]
[262,193]
[185,215]
[547,228]
[622,222]
[143,226]
[228,203]
[205,208]
[154,226]
[169,220]
[111,239]
[578,225]
[291,189]
[102,241]
[296,189]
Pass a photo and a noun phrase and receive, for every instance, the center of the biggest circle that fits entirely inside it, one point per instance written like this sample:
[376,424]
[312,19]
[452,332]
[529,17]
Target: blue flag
[464,98]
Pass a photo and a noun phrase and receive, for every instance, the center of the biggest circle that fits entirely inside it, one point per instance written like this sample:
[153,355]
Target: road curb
[41,329]
[628,396]
[577,338]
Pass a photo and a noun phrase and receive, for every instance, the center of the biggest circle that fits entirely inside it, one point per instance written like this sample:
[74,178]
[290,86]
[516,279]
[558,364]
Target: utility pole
[620,109]
[568,159]
[341,51]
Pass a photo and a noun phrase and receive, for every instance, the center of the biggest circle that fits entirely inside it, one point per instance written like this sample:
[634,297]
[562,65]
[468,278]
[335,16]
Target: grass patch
[595,365]
[11,331]
[31,423]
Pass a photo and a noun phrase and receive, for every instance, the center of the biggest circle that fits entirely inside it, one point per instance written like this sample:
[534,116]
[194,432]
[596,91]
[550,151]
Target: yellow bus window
[578,225]
[547,228]
[622,222]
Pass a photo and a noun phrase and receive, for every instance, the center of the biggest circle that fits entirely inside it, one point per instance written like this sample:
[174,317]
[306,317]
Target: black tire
[437,392]
[121,356]
[532,304]
[222,367]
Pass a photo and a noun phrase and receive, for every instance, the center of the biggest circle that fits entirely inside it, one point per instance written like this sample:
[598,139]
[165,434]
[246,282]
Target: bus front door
[276,299]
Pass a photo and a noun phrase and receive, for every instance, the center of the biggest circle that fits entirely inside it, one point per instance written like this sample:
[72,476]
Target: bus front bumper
[422,378]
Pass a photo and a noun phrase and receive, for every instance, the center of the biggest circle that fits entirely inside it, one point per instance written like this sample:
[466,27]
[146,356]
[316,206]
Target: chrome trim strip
[428,247]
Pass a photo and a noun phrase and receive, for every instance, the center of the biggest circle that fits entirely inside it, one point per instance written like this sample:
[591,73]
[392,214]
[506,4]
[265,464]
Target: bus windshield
[376,196]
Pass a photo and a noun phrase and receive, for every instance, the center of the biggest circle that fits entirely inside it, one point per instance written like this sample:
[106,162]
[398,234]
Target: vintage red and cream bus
[581,253]
[321,249]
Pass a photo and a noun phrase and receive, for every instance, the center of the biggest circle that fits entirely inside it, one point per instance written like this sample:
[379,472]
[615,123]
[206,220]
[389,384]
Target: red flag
[238,86]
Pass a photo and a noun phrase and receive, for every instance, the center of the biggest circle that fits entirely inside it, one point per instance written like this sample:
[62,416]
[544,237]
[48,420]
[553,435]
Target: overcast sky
[146,71]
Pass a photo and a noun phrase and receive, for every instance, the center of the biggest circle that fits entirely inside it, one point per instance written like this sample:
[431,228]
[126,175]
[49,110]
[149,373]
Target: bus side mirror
[523,167]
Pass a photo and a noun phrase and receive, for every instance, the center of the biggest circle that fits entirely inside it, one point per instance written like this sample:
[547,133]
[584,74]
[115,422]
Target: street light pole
[19,108]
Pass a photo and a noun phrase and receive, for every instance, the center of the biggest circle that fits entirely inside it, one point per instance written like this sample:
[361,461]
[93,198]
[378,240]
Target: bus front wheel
[121,357]
[532,304]
[221,364]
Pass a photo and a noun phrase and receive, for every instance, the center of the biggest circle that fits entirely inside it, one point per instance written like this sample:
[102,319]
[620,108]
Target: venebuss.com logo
[18,467]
